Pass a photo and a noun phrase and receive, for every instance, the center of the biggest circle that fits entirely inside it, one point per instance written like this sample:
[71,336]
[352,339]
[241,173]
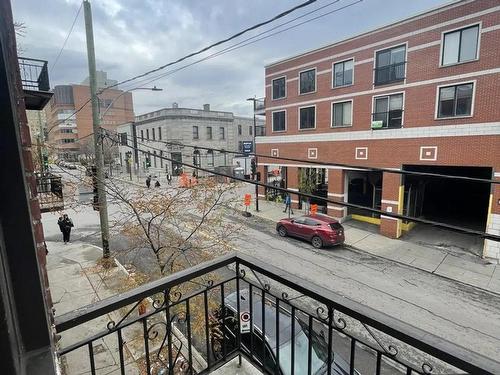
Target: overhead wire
[66,39]
[455,228]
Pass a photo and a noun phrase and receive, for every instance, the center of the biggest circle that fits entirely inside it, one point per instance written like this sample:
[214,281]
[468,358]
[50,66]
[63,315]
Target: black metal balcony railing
[387,120]
[260,131]
[390,73]
[35,81]
[283,326]
[260,106]
[50,192]
[34,74]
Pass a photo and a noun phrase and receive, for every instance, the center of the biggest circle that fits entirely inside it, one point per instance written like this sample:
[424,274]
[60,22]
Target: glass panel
[398,55]
[381,104]
[464,100]
[337,114]
[348,68]
[347,113]
[383,58]
[396,102]
[446,101]
[307,118]
[279,121]
[339,74]
[450,50]
[468,44]
[279,88]
[307,81]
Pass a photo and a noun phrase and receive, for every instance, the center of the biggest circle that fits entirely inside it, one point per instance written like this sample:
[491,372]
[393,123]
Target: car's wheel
[282,231]
[317,242]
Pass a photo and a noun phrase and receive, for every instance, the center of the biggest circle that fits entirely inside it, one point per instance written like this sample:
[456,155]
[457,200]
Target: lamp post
[254,100]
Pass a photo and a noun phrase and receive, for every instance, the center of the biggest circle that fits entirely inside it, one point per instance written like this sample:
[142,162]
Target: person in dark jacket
[157,183]
[148,181]
[288,204]
[65,225]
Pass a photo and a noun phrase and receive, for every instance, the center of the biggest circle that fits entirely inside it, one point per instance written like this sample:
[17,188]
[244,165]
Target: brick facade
[471,140]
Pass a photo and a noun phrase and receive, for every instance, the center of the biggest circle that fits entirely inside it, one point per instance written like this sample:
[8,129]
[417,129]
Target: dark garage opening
[456,202]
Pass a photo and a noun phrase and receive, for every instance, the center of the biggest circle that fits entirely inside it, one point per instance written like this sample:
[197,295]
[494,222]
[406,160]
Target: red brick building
[420,94]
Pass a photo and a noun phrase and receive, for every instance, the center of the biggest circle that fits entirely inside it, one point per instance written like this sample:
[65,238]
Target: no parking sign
[244,322]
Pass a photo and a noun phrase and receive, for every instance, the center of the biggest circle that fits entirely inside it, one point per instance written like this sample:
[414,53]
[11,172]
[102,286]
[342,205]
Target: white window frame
[272,121]
[333,72]
[474,84]
[272,85]
[315,81]
[375,63]
[315,116]
[331,113]
[389,94]
[441,49]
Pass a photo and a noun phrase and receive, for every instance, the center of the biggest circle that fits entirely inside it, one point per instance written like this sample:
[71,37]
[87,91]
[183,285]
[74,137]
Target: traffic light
[148,162]
[254,167]
[45,163]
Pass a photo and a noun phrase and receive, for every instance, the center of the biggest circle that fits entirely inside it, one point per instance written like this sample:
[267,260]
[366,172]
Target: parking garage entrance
[364,189]
[457,202]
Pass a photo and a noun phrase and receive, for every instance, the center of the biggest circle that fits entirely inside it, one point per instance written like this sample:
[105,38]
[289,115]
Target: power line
[341,165]
[455,228]
[242,44]
[65,40]
[234,36]
[233,46]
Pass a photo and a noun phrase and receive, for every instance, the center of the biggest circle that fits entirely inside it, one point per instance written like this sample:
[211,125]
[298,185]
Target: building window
[210,158]
[343,73]
[222,133]
[455,100]
[250,130]
[147,134]
[197,158]
[209,132]
[388,111]
[159,133]
[460,45]
[240,146]
[68,140]
[279,121]
[239,129]
[142,135]
[154,134]
[307,117]
[123,139]
[342,114]
[390,65]
[161,158]
[195,132]
[154,158]
[279,88]
[307,81]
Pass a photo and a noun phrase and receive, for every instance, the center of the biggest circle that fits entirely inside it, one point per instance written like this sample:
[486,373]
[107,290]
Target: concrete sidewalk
[77,279]
[463,267]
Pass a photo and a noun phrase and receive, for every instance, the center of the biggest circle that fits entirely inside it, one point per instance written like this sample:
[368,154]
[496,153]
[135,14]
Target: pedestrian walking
[157,184]
[288,204]
[169,178]
[148,181]
[65,225]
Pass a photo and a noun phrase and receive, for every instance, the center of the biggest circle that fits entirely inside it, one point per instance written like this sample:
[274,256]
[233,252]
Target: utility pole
[99,160]
[254,100]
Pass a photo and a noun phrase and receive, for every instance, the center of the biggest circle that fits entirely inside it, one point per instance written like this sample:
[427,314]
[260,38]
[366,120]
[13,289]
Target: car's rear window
[335,226]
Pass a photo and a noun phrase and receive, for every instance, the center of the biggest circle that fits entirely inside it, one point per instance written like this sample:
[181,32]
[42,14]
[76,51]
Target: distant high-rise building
[65,129]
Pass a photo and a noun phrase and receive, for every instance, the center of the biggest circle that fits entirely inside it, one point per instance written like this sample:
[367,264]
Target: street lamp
[254,100]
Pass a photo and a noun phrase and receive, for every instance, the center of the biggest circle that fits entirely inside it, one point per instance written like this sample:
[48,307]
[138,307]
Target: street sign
[248,198]
[314,209]
[244,322]
[247,147]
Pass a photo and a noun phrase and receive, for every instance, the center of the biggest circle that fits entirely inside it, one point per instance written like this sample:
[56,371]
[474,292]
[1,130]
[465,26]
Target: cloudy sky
[132,36]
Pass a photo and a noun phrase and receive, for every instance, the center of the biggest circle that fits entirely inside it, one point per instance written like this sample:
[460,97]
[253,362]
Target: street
[449,309]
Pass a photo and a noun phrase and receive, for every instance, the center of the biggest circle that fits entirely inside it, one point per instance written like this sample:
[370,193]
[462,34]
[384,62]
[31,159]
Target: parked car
[320,230]
[265,352]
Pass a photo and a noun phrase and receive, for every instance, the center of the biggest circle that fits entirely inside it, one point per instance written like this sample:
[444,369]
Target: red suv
[320,230]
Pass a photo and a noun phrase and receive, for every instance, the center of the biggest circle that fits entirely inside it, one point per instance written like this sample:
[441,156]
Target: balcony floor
[232,368]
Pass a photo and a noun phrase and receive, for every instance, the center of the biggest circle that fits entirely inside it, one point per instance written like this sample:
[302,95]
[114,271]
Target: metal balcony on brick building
[236,308]
[260,106]
[49,191]
[35,81]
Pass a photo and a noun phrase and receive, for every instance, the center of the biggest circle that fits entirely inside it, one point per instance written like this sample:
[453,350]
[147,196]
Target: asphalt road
[459,313]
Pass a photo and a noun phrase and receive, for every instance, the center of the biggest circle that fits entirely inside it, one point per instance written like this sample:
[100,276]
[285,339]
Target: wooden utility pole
[99,160]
